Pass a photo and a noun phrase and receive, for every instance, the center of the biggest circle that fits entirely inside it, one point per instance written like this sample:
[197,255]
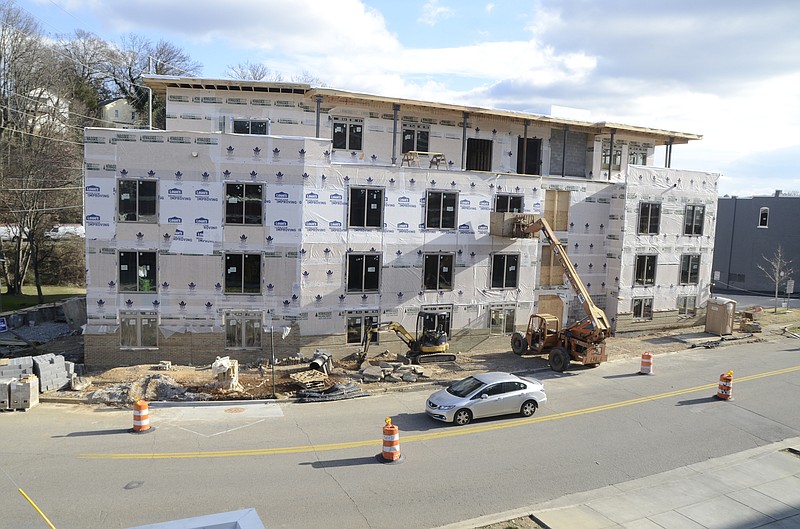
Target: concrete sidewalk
[757,488]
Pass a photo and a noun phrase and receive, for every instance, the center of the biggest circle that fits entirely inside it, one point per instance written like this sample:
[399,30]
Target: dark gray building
[750,229]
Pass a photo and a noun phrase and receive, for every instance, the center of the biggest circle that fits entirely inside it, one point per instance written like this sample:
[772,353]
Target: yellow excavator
[584,340]
[428,345]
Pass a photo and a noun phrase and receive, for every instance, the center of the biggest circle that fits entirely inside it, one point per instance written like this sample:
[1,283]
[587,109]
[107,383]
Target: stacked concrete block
[17,367]
[24,392]
[5,392]
[51,370]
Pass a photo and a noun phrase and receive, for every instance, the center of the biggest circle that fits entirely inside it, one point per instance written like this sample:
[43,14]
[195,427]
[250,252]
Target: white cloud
[432,12]
[489,8]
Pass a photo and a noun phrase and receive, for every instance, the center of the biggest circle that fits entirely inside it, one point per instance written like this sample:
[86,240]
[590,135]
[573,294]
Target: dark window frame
[685,308]
[253,127]
[364,320]
[690,269]
[437,216]
[437,271]
[359,277]
[415,138]
[137,208]
[508,203]
[694,218]
[365,207]
[351,135]
[241,281]
[140,273]
[251,198]
[649,218]
[505,271]
[644,273]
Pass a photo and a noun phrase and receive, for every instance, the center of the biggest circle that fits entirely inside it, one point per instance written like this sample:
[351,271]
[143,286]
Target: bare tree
[39,154]
[83,59]
[136,55]
[252,71]
[778,269]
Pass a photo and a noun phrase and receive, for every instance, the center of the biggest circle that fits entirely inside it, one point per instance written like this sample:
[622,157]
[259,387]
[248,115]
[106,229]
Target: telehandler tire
[559,359]
[518,343]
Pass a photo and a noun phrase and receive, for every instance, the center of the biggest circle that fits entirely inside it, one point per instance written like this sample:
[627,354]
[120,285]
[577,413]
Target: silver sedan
[486,395]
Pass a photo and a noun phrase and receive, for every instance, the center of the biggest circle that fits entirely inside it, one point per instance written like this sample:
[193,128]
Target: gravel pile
[40,333]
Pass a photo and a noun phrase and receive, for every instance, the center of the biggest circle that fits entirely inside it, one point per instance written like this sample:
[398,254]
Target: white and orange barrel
[141,416]
[725,390]
[391,441]
[647,364]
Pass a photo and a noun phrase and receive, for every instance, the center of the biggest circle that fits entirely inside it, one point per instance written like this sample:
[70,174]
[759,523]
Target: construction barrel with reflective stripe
[141,417]
[725,390]
[647,364]
[391,442]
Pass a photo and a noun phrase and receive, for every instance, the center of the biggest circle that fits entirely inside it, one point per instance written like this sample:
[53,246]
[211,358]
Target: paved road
[313,465]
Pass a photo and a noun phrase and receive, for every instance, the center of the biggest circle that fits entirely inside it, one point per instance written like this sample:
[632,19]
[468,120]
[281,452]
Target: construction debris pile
[151,388]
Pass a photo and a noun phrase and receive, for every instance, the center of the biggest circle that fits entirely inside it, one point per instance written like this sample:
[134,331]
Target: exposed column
[318,100]
[611,154]
[395,110]
[464,142]
[525,147]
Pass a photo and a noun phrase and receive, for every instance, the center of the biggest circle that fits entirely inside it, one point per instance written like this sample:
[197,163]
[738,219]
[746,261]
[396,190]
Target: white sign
[790,286]
[3,325]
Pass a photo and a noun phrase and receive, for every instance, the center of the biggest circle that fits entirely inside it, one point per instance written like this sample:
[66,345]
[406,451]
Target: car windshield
[462,388]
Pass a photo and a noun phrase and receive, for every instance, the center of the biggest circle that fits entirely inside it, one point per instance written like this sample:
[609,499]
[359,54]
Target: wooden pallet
[310,379]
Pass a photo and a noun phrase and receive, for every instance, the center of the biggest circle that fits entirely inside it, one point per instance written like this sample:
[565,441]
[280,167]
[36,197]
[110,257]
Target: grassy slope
[29,298]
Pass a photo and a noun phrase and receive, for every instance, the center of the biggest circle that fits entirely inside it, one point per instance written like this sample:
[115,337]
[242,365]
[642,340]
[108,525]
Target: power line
[41,209]
[48,137]
[46,188]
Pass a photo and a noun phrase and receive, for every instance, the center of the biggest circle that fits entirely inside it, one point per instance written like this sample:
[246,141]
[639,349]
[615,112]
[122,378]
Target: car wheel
[462,417]
[559,359]
[528,408]
[518,343]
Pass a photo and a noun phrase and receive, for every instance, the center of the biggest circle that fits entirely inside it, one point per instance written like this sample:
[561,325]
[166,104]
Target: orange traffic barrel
[647,364]
[141,417]
[725,386]
[391,443]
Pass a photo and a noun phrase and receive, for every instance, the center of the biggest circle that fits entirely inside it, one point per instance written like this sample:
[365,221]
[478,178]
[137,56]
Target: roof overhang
[160,83]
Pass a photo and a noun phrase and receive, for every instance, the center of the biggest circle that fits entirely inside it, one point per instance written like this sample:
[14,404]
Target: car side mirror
[484,396]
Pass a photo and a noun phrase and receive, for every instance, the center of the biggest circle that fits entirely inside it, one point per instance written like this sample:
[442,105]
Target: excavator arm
[595,328]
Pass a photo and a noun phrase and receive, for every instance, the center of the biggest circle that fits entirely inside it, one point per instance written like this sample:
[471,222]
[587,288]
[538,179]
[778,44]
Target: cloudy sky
[726,69]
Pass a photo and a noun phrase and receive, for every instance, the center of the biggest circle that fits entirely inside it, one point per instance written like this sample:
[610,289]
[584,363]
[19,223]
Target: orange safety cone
[725,390]
[647,364]
[391,444]
[141,417]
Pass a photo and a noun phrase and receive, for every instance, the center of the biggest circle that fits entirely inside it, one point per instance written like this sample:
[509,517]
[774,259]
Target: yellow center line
[441,434]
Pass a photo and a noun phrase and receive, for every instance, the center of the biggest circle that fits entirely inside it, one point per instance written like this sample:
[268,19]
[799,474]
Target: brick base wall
[662,320]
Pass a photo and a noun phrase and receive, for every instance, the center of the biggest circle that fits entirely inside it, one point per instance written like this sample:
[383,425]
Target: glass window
[645,273]
[242,273]
[366,207]
[687,305]
[357,325]
[501,320]
[247,126]
[137,200]
[693,220]
[244,204]
[243,330]
[690,269]
[137,272]
[643,308]
[138,329]
[763,218]
[505,270]
[649,217]
[415,138]
[508,203]
[348,133]
[363,272]
[438,272]
[440,210]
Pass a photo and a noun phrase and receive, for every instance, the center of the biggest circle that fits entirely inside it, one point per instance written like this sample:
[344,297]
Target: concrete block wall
[576,153]
[24,393]
[5,392]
